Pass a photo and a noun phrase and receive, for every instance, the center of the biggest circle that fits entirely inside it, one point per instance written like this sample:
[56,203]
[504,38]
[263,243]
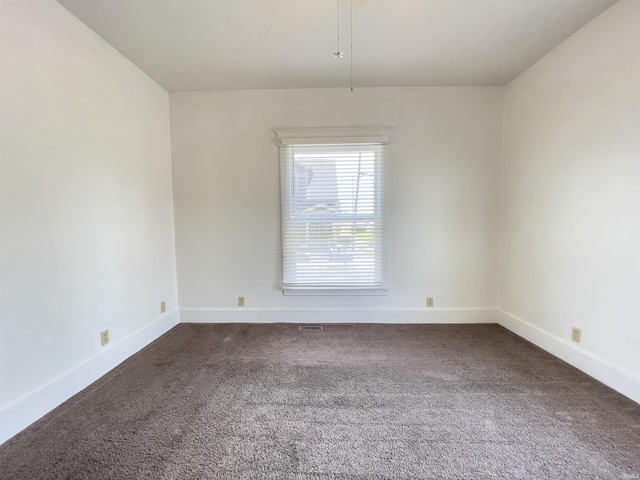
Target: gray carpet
[350,402]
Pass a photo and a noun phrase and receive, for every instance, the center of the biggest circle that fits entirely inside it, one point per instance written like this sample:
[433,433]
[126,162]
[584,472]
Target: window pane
[332,216]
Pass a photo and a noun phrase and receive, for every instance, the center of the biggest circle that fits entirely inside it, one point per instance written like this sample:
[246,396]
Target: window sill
[337,292]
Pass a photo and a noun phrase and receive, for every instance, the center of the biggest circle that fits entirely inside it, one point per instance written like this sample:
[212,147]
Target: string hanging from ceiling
[351,52]
[339,53]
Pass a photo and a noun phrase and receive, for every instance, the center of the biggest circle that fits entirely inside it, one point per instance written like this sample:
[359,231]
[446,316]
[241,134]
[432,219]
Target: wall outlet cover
[576,334]
[104,337]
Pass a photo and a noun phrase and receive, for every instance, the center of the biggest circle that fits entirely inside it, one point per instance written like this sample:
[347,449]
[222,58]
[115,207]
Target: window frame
[347,136]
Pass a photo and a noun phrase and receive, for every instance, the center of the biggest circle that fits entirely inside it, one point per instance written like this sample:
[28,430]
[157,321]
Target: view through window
[333,216]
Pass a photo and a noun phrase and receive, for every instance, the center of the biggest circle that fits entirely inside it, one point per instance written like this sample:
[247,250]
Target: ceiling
[253,44]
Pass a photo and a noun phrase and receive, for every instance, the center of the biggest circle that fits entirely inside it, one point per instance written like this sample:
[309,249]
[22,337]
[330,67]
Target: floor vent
[313,328]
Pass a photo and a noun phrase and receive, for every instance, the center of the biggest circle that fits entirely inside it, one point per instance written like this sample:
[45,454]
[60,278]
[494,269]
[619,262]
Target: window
[334,218]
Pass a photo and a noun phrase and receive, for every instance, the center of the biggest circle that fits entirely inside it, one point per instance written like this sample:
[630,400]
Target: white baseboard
[611,375]
[337,315]
[26,410]
[29,408]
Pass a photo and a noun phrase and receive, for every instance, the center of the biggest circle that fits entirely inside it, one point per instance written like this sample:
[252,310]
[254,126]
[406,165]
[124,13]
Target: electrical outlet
[163,307]
[104,337]
[429,301]
[576,333]
[241,301]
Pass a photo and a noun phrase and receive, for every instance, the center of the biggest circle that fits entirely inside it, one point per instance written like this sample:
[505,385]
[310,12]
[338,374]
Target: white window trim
[336,292]
[336,136]
[323,136]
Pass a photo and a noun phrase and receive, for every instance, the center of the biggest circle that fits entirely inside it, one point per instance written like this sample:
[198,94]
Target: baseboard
[32,406]
[611,375]
[337,315]
[26,410]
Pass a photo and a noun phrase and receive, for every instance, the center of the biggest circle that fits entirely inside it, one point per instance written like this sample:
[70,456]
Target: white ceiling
[246,44]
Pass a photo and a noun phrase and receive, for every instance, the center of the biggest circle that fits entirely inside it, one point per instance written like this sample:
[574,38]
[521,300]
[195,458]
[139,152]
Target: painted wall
[86,209]
[570,252]
[87,216]
[444,194]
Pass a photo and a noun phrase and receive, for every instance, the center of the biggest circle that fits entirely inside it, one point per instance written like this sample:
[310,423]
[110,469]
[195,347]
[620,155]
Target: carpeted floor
[350,402]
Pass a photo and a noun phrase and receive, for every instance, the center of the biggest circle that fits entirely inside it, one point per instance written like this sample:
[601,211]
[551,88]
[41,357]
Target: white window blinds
[333,215]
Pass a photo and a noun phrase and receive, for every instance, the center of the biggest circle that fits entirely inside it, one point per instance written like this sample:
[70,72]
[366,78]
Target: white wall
[86,209]
[444,196]
[87,222]
[570,252]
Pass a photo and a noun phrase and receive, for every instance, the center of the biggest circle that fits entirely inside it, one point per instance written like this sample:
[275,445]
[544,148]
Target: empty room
[319,239]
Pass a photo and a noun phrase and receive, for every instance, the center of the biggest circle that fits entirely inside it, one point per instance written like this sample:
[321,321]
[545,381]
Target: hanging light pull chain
[351,32]
[338,53]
